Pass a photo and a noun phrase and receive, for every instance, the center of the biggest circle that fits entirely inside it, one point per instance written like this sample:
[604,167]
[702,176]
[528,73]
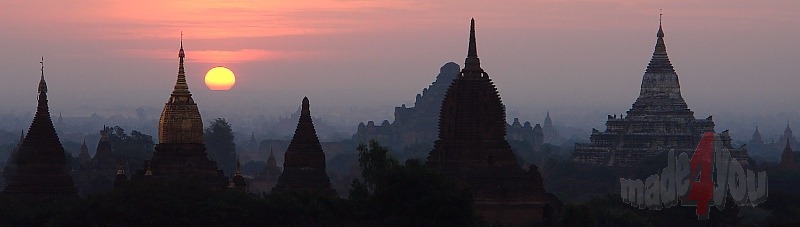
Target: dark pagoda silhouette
[83,156]
[787,136]
[180,152]
[40,170]
[304,160]
[414,129]
[472,148]
[787,158]
[98,173]
[268,177]
[658,121]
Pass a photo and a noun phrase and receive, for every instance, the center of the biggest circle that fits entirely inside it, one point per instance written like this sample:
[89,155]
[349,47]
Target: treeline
[388,194]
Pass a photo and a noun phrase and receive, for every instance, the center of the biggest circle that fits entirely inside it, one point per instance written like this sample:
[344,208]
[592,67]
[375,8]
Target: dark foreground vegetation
[388,193]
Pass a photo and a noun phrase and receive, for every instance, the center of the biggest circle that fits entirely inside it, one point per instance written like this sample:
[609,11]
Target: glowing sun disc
[220,79]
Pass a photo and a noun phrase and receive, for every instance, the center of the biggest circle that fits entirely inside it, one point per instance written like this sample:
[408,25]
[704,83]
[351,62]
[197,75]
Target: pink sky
[734,57]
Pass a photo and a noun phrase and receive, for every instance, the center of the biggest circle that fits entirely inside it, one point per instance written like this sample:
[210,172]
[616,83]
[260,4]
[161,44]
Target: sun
[220,79]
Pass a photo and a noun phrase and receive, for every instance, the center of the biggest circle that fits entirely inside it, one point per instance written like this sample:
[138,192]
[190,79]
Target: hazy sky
[577,58]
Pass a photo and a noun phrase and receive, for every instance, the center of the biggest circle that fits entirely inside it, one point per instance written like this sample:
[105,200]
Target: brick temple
[472,148]
[40,165]
[181,152]
[414,129]
[304,160]
[658,121]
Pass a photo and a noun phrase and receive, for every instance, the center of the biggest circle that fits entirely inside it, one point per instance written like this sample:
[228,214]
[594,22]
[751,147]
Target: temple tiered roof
[40,163]
[304,160]
[472,149]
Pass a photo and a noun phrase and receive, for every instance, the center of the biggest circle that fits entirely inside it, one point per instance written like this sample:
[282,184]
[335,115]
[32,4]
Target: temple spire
[305,108]
[787,158]
[42,83]
[472,63]
[660,63]
[660,33]
[181,88]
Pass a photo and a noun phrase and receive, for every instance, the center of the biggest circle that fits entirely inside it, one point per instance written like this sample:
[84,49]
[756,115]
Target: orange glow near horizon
[220,79]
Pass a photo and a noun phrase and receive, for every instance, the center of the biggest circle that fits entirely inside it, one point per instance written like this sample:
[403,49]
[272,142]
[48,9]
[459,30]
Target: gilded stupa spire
[181,88]
[180,120]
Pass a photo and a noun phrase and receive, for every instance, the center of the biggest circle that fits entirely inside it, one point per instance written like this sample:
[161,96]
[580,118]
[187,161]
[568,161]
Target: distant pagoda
[658,121]
[787,158]
[98,173]
[40,165]
[787,136]
[83,156]
[472,148]
[268,177]
[412,126]
[180,152]
[756,140]
[304,160]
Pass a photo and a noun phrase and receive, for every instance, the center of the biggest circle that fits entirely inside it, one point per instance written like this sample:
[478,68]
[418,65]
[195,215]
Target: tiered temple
[413,130]
[40,165]
[268,177]
[658,121]
[304,160]
[472,148]
[413,126]
[180,152]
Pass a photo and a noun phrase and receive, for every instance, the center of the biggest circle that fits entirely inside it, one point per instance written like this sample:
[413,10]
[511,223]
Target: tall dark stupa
[304,161]
[472,148]
[658,121]
[40,163]
[180,151]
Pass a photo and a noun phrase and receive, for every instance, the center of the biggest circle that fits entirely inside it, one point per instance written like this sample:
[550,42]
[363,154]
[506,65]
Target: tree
[220,146]
[409,194]
[133,149]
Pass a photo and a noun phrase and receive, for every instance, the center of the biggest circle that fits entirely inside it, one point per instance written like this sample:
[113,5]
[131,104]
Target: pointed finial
[472,63]
[473,50]
[42,83]
[304,111]
[660,33]
[180,53]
